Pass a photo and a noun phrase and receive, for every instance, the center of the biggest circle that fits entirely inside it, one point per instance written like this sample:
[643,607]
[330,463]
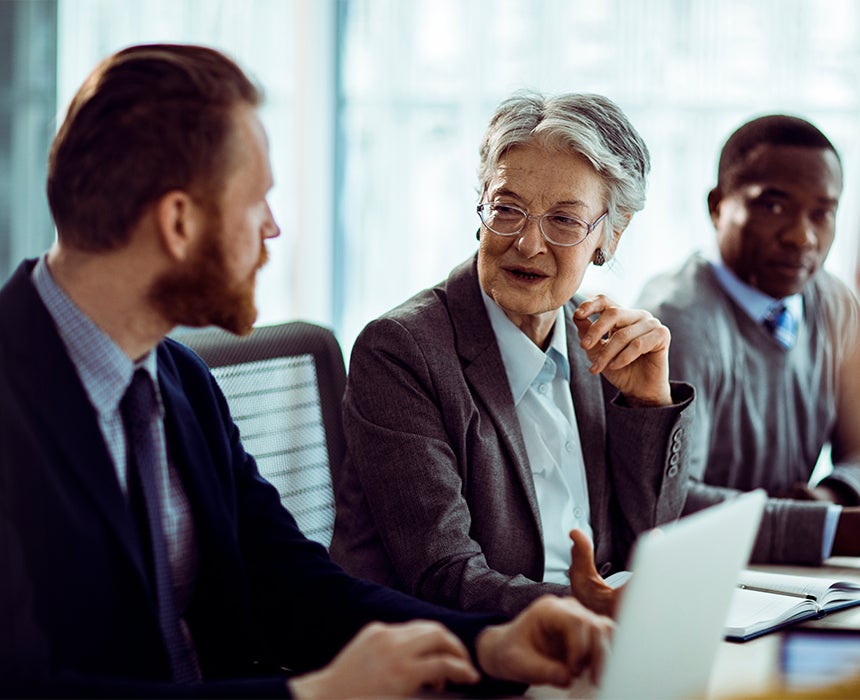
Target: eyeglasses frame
[588,226]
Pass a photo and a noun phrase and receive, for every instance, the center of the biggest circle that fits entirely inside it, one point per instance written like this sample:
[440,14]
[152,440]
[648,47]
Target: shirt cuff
[830,523]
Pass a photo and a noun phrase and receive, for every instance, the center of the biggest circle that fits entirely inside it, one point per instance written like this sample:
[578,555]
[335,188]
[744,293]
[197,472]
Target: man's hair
[590,125]
[148,120]
[773,130]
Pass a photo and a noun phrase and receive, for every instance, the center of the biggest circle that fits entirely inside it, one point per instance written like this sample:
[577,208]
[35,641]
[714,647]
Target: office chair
[284,386]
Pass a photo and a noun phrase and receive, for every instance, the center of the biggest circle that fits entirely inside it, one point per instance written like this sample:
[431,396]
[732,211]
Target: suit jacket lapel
[50,391]
[190,450]
[485,370]
[206,483]
[196,439]
[587,394]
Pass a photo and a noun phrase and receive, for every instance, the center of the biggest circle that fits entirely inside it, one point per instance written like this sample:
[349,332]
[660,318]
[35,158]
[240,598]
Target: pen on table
[805,596]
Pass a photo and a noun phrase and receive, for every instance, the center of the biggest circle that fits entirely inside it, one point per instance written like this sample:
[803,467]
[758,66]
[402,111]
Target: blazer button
[672,471]
[605,568]
[674,459]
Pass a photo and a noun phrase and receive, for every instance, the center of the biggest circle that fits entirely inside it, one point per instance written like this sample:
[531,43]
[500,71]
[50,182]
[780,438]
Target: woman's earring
[599,257]
[478,233]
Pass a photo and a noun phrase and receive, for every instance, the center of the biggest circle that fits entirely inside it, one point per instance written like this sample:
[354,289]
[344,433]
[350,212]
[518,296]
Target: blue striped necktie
[782,325]
[138,407]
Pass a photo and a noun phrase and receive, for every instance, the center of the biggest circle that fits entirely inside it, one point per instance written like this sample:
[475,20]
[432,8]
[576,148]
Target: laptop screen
[673,610]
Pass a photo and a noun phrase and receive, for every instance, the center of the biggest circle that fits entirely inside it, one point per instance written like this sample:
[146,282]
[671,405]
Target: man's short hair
[149,119]
[590,125]
[773,130]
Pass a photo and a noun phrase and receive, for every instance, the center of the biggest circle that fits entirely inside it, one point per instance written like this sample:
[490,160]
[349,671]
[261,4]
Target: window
[28,89]
[376,105]
[421,79]
[288,48]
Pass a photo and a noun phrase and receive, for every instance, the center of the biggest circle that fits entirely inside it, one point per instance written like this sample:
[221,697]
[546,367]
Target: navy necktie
[782,324]
[138,408]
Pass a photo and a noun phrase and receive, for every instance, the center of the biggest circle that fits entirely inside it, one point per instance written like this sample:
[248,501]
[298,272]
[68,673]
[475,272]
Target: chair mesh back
[276,405]
[287,407]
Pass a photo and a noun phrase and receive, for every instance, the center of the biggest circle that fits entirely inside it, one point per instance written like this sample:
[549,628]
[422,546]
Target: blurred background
[375,110]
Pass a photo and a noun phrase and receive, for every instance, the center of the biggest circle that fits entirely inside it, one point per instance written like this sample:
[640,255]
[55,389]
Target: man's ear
[715,196]
[179,220]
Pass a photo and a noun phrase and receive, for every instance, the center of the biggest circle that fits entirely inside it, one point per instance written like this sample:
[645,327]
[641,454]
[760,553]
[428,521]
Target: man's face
[216,284]
[776,223]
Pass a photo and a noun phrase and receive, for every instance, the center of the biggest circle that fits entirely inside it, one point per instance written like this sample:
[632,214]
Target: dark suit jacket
[436,496]
[76,613]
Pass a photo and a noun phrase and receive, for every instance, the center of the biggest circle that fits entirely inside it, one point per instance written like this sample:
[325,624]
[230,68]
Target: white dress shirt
[540,385]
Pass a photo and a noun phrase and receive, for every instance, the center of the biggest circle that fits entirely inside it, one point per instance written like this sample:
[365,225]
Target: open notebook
[765,601]
[674,608]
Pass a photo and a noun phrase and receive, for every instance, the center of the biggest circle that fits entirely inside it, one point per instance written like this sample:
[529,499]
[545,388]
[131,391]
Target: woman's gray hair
[591,125]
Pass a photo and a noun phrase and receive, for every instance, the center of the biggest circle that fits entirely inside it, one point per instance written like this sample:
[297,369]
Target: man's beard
[200,293]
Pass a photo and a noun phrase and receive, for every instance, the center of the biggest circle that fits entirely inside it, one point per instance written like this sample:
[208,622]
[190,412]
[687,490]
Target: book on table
[764,601]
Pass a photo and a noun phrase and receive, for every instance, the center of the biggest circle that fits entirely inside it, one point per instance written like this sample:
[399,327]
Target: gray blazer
[436,495]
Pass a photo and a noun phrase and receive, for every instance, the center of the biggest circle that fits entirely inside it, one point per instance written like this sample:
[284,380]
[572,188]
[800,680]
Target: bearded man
[141,552]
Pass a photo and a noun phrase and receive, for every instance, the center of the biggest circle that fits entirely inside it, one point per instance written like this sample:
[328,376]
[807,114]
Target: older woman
[489,416]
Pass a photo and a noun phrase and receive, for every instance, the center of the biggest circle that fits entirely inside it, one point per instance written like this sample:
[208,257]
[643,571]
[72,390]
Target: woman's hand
[629,347]
[586,584]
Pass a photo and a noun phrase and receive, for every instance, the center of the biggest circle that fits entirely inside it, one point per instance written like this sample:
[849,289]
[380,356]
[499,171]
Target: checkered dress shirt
[105,372]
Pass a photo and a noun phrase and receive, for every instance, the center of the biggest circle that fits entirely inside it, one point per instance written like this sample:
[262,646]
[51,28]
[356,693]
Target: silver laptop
[674,608]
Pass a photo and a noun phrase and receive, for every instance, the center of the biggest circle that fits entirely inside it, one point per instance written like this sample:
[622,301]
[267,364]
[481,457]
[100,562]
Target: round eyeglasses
[557,227]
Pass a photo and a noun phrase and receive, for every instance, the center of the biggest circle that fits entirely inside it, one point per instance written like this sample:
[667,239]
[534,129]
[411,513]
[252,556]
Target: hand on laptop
[586,585]
[390,660]
[550,642]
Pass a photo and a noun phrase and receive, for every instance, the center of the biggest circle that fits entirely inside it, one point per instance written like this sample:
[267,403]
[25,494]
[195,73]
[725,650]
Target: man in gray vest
[771,343]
